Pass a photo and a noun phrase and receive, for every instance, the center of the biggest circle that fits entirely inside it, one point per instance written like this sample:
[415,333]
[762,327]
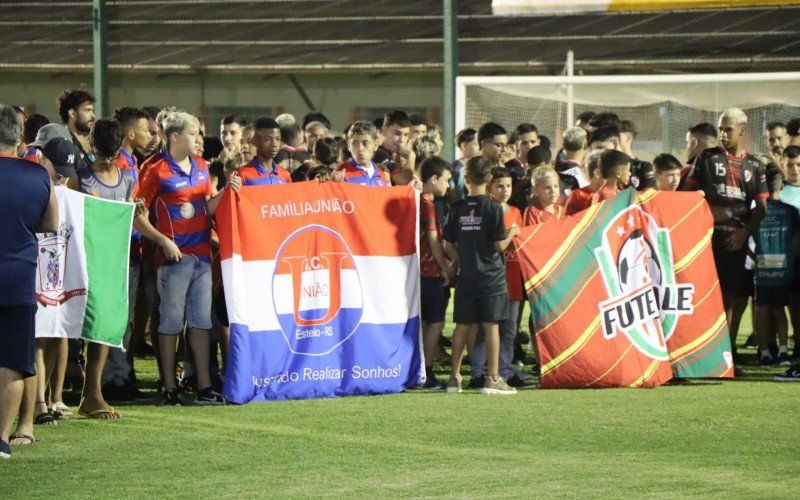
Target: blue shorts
[17,342]
[433,300]
[185,291]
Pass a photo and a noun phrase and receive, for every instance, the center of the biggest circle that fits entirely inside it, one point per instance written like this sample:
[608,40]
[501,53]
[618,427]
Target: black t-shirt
[643,175]
[730,182]
[474,224]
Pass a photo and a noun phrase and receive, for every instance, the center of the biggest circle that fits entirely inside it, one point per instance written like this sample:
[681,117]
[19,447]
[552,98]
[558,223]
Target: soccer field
[708,439]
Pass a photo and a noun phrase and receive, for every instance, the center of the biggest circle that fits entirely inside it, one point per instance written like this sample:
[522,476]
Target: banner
[614,297]
[322,289]
[82,271]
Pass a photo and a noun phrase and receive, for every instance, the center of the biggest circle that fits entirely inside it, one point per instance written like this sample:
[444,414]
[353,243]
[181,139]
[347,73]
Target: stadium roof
[278,36]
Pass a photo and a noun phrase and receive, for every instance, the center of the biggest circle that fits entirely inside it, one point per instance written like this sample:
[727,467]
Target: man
[76,109]
[699,138]
[155,139]
[732,182]
[571,175]
[28,194]
[584,121]
[395,131]
[314,131]
[777,139]
[419,126]
[609,137]
[493,140]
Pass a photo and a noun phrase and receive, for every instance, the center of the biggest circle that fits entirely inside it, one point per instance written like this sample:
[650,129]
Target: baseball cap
[63,154]
[48,132]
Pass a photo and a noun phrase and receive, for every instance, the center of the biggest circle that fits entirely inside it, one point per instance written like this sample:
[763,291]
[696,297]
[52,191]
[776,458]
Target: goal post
[662,107]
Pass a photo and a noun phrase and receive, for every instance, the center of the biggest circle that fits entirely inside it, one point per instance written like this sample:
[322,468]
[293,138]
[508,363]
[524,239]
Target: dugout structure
[662,107]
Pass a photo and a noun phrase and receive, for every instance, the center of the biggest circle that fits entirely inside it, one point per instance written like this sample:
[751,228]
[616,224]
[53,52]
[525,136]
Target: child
[433,266]
[476,237]
[581,198]
[546,190]
[615,168]
[775,238]
[362,142]
[668,172]
[500,190]
[791,194]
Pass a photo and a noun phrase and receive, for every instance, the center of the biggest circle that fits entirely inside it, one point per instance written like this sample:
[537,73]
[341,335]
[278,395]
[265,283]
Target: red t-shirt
[512,216]
[602,194]
[534,215]
[579,200]
[178,201]
[428,222]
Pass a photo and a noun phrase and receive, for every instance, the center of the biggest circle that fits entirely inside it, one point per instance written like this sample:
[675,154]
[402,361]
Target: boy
[668,172]
[791,195]
[775,238]
[581,198]
[263,169]
[361,169]
[476,238]
[434,270]
[615,168]
[500,190]
[546,190]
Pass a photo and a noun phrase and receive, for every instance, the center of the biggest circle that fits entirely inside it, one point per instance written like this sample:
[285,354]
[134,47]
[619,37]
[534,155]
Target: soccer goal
[662,107]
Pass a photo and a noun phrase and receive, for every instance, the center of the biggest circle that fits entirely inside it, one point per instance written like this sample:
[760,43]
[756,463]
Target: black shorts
[473,308]
[771,296]
[433,300]
[734,279]
[18,338]
[794,286]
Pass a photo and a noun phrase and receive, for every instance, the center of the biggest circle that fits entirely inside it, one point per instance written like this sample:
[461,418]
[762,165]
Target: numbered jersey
[730,182]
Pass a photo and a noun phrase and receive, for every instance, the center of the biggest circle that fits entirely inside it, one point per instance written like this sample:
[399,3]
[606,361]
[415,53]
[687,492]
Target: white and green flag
[82,274]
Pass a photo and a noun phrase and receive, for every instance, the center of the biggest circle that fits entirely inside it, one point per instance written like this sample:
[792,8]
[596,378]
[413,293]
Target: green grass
[712,439]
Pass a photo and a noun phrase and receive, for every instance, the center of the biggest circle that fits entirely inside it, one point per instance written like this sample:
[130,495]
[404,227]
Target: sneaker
[791,375]
[115,393]
[207,397]
[477,382]
[171,398]
[783,359]
[188,384]
[765,360]
[498,386]
[132,392]
[433,384]
[5,450]
[520,380]
[751,342]
[453,385]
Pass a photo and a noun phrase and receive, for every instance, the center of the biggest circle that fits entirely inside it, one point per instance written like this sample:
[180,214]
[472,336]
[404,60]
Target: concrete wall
[342,97]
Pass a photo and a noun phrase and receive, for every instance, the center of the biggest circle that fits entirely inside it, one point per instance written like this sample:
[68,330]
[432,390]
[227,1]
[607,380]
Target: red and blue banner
[322,289]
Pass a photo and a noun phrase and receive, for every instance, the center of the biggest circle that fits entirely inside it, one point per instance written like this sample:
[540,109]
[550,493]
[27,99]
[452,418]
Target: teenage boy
[581,198]
[362,141]
[468,147]
[476,238]
[546,190]
[615,168]
[791,195]
[177,189]
[668,172]
[500,189]
[434,269]
[493,140]
[263,169]
[775,238]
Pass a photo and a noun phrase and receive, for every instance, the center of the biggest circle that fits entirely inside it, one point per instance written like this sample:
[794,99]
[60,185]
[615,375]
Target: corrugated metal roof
[388,35]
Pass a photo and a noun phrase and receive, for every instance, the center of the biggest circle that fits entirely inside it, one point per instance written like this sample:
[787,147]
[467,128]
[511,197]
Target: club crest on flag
[316,290]
[52,265]
[631,265]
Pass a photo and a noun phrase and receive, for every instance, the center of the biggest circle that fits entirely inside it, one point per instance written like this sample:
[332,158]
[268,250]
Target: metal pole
[450,73]
[570,89]
[100,57]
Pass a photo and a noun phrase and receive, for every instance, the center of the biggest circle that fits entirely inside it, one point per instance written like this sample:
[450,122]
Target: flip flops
[61,408]
[45,418]
[95,414]
[30,439]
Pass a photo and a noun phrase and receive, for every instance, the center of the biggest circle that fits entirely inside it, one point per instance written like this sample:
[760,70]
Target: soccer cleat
[783,359]
[751,342]
[791,375]
[520,380]
[172,398]
[498,386]
[453,385]
[208,397]
[765,360]
[433,384]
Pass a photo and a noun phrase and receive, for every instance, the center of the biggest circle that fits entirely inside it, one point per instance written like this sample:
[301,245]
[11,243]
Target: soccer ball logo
[637,263]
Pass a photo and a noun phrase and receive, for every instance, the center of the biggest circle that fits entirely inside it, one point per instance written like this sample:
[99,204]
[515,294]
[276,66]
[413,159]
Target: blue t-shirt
[791,195]
[774,254]
[24,194]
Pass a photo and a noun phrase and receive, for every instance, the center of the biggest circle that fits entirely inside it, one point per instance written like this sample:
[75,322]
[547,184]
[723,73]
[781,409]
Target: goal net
[662,107]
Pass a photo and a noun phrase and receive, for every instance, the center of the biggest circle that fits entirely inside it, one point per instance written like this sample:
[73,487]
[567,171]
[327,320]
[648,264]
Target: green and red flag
[606,297]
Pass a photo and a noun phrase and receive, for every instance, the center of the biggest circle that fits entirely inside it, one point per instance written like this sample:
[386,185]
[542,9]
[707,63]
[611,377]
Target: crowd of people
[174,170]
